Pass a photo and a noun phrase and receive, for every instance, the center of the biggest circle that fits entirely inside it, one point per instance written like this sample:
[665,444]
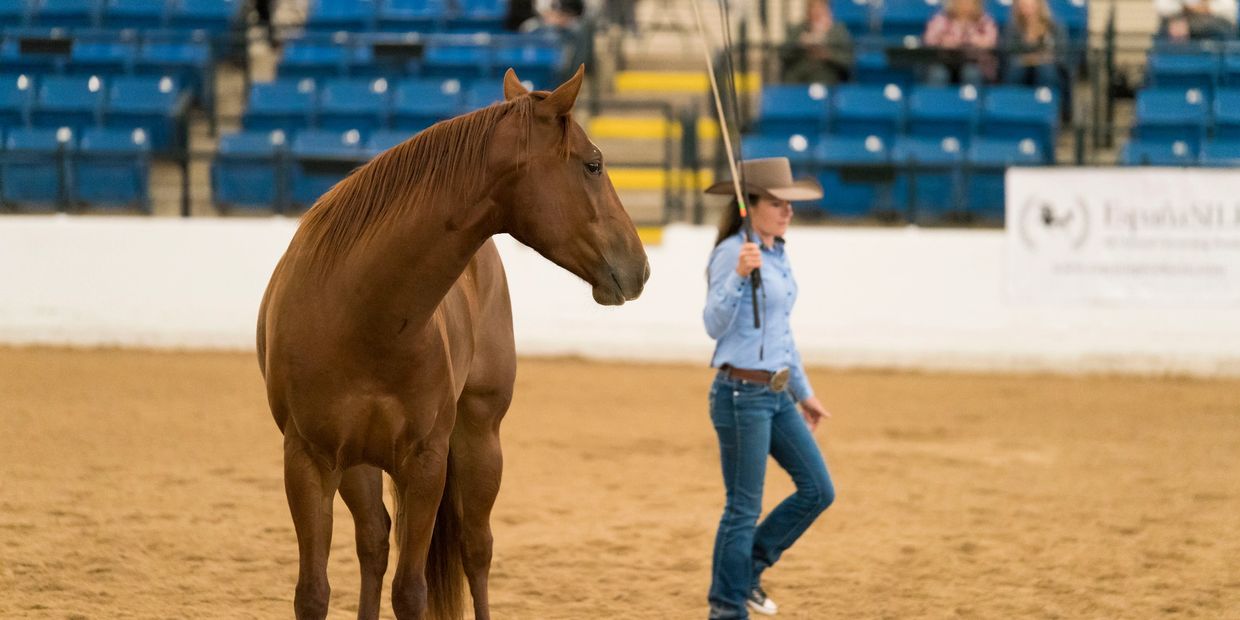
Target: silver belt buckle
[779,379]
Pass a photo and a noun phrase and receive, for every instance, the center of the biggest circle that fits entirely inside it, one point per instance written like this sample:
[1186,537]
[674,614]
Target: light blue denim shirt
[729,314]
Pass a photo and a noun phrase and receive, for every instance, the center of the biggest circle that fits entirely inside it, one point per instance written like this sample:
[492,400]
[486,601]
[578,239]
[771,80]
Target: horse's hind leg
[361,487]
[311,488]
[477,463]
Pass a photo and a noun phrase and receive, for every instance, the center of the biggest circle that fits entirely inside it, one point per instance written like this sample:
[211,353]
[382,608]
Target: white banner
[1114,235]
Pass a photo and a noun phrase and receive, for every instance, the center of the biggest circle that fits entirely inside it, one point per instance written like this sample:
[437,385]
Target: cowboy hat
[771,176]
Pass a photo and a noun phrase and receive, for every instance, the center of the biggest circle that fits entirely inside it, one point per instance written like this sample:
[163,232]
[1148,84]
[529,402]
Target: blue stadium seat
[1158,153]
[933,192]
[1074,15]
[1019,112]
[317,60]
[1182,71]
[459,60]
[872,67]
[1230,72]
[906,17]
[14,60]
[112,168]
[137,14]
[157,105]
[35,167]
[482,93]
[287,105]
[383,140]
[415,15]
[854,14]
[16,93]
[353,104]
[480,16]
[14,12]
[68,101]
[843,195]
[799,150]
[1221,153]
[341,16]
[315,146]
[188,60]
[864,110]
[1000,10]
[418,104]
[788,109]
[103,58]
[988,161]
[940,112]
[247,171]
[1227,114]
[64,13]
[1171,115]
[214,16]
[536,61]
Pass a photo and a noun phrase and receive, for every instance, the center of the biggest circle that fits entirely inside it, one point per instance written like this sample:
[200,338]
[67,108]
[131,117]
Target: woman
[964,25]
[819,50]
[753,402]
[1033,42]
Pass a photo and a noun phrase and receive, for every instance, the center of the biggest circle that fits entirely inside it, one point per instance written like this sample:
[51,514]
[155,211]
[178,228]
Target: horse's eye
[594,168]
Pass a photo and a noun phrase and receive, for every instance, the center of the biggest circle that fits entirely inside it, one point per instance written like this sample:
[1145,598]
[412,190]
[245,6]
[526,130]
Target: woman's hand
[750,259]
[813,412]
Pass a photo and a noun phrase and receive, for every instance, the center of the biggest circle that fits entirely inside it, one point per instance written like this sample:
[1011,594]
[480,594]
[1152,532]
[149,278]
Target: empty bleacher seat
[313,59]
[940,112]
[479,15]
[13,12]
[416,15]
[536,61]
[1019,112]
[863,110]
[139,14]
[320,160]
[848,190]
[341,16]
[214,16]
[1180,70]
[988,160]
[900,18]
[1170,116]
[383,140]
[157,105]
[457,59]
[103,58]
[16,93]
[16,57]
[482,93]
[1074,15]
[1000,10]
[1221,153]
[854,14]
[247,170]
[287,105]
[1227,114]
[929,180]
[873,67]
[418,104]
[188,59]
[112,168]
[1158,153]
[1230,73]
[35,166]
[64,13]
[788,109]
[797,148]
[353,104]
[68,101]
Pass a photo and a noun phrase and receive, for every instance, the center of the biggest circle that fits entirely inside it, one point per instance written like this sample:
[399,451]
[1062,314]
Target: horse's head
[558,199]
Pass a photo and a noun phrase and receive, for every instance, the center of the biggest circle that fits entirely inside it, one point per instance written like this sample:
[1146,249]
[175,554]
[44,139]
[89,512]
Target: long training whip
[754,277]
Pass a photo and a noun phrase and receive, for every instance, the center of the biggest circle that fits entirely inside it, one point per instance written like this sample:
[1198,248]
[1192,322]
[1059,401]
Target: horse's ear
[513,87]
[560,102]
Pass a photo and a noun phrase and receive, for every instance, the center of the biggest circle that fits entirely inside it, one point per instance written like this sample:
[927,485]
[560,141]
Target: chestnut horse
[385,338]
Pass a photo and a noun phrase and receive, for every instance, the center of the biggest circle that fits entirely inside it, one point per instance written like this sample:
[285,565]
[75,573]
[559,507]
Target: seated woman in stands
[1196,20]
[818,50]
[965,26]
[1034,43]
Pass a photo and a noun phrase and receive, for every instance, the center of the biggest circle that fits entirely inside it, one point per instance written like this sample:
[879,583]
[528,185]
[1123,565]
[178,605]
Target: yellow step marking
[654,179]
[678,82]
[646,128]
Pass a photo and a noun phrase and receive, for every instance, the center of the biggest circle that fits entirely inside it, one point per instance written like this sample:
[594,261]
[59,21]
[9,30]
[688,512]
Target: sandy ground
[147,485]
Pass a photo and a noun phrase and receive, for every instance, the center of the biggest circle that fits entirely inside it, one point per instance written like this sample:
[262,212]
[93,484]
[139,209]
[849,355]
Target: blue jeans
[752,421]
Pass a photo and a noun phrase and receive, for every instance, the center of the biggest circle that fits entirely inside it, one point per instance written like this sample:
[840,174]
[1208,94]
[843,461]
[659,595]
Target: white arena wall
[903,298]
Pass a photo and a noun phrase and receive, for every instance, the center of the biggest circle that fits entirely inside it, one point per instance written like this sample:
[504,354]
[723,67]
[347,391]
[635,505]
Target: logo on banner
[1045,224]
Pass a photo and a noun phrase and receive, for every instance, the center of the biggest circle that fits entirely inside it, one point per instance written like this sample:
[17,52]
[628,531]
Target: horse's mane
[445,163]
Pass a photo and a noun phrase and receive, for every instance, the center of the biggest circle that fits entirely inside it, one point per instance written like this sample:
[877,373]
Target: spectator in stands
[263,9]
[563,19]
[818,50]
[1185,20]
[965,26]
[1034,43]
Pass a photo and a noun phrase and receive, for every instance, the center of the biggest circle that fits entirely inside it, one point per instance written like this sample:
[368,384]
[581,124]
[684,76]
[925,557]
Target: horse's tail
[445,573]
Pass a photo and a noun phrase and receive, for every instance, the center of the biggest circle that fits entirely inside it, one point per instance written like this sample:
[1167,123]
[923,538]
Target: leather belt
[777,380]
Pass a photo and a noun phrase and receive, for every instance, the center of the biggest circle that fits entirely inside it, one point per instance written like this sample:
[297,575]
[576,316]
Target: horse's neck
[416,261]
